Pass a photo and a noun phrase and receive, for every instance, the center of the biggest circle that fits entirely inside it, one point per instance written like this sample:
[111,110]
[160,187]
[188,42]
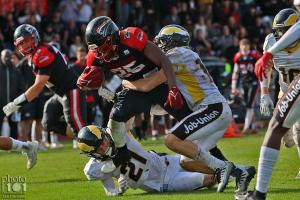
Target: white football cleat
[223,175]
[56,145]
[31,154]
[108,166]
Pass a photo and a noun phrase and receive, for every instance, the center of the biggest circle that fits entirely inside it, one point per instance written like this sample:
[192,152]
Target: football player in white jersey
[282,49]
[198,132]
[28,148]
[145,170]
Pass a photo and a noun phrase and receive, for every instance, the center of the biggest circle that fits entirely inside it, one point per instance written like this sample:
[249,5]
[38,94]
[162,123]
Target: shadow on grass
[67,180]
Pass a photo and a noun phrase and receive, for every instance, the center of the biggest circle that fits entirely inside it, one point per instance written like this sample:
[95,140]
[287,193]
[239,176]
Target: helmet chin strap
[109,152]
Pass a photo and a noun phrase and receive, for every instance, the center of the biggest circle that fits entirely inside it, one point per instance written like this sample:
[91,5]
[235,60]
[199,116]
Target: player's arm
[28,96]
[39,84]
[146,84]
[159,58]
[291,36]
[234,80]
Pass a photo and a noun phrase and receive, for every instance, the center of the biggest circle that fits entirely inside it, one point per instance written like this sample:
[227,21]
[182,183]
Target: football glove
[10,108]
[266,104]
[175,99]
[123,183]
[262,64]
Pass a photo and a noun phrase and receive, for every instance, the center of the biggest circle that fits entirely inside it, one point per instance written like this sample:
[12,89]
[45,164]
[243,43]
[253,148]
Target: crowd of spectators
[216,26]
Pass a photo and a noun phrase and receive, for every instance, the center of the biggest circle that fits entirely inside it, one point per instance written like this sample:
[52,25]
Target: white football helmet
[297,4]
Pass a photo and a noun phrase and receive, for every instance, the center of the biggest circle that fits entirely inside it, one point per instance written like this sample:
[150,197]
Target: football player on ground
[243,73]
[52,71]
[145,170]
[129,54]
[281,48]
[199,131]
[28,148]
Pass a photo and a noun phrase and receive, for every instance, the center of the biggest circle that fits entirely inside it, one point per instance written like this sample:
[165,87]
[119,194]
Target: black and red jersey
[131,63]
[48,60]
[245,65]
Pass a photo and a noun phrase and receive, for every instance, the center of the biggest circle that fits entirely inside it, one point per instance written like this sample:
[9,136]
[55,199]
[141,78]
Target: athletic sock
[45,136]
[248,118]
[267,159]
[18,145]
[211,161]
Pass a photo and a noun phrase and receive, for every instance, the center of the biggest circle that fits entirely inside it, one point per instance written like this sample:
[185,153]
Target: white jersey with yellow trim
[193,79]
[286,61]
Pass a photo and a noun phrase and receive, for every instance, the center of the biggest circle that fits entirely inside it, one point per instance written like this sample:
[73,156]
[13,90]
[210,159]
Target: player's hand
[266,104]
[175,99]
[262,64]
[234,92]
[91,78]
[10,108]
[123,183]
[106,94]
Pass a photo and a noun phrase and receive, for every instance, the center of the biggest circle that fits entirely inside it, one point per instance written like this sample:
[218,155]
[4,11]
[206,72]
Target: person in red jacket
[51,70]
[243,73]
[129,54]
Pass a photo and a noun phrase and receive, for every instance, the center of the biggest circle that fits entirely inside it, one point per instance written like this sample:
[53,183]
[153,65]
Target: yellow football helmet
[283,21]
[172,36]
[91,137]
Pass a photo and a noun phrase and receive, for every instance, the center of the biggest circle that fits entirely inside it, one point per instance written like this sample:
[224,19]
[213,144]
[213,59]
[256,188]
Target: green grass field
[59,173]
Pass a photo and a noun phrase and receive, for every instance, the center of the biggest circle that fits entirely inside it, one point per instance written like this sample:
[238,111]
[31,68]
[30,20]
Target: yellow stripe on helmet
[171,30]
[95,130]
[292,19]
[84,147]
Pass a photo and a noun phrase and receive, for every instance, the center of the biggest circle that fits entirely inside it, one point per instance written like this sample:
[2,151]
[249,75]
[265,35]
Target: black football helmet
[89,140]
[26,39]
[172,36]
[101,36]
[283,21]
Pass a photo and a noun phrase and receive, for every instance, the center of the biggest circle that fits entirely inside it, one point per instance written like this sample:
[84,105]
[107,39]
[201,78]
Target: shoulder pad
[134,37]
[236,57]
[269,41]
[43,57]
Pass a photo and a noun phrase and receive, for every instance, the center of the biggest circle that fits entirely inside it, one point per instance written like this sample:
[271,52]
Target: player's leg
[250,97]
[29,148]
[53,118]
[285,116]
[75,110]
[210,120]
[128,103]
[296,137]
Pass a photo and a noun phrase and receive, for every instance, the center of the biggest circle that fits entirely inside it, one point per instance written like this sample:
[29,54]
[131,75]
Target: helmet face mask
[95,142]
[283,21]
[101,36]
[26,39]
[106,51]
[172,36]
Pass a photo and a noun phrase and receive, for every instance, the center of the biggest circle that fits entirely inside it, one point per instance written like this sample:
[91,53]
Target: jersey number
[132,168]
[128,70]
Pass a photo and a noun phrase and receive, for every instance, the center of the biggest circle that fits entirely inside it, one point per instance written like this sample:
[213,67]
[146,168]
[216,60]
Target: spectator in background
[11,86]
[70,32]
[201,45]
[225,41]
[69,9]
[56,22]
[8,29]
[200,24]
[173,17]
[76,50]
[84,11]
[136,14]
